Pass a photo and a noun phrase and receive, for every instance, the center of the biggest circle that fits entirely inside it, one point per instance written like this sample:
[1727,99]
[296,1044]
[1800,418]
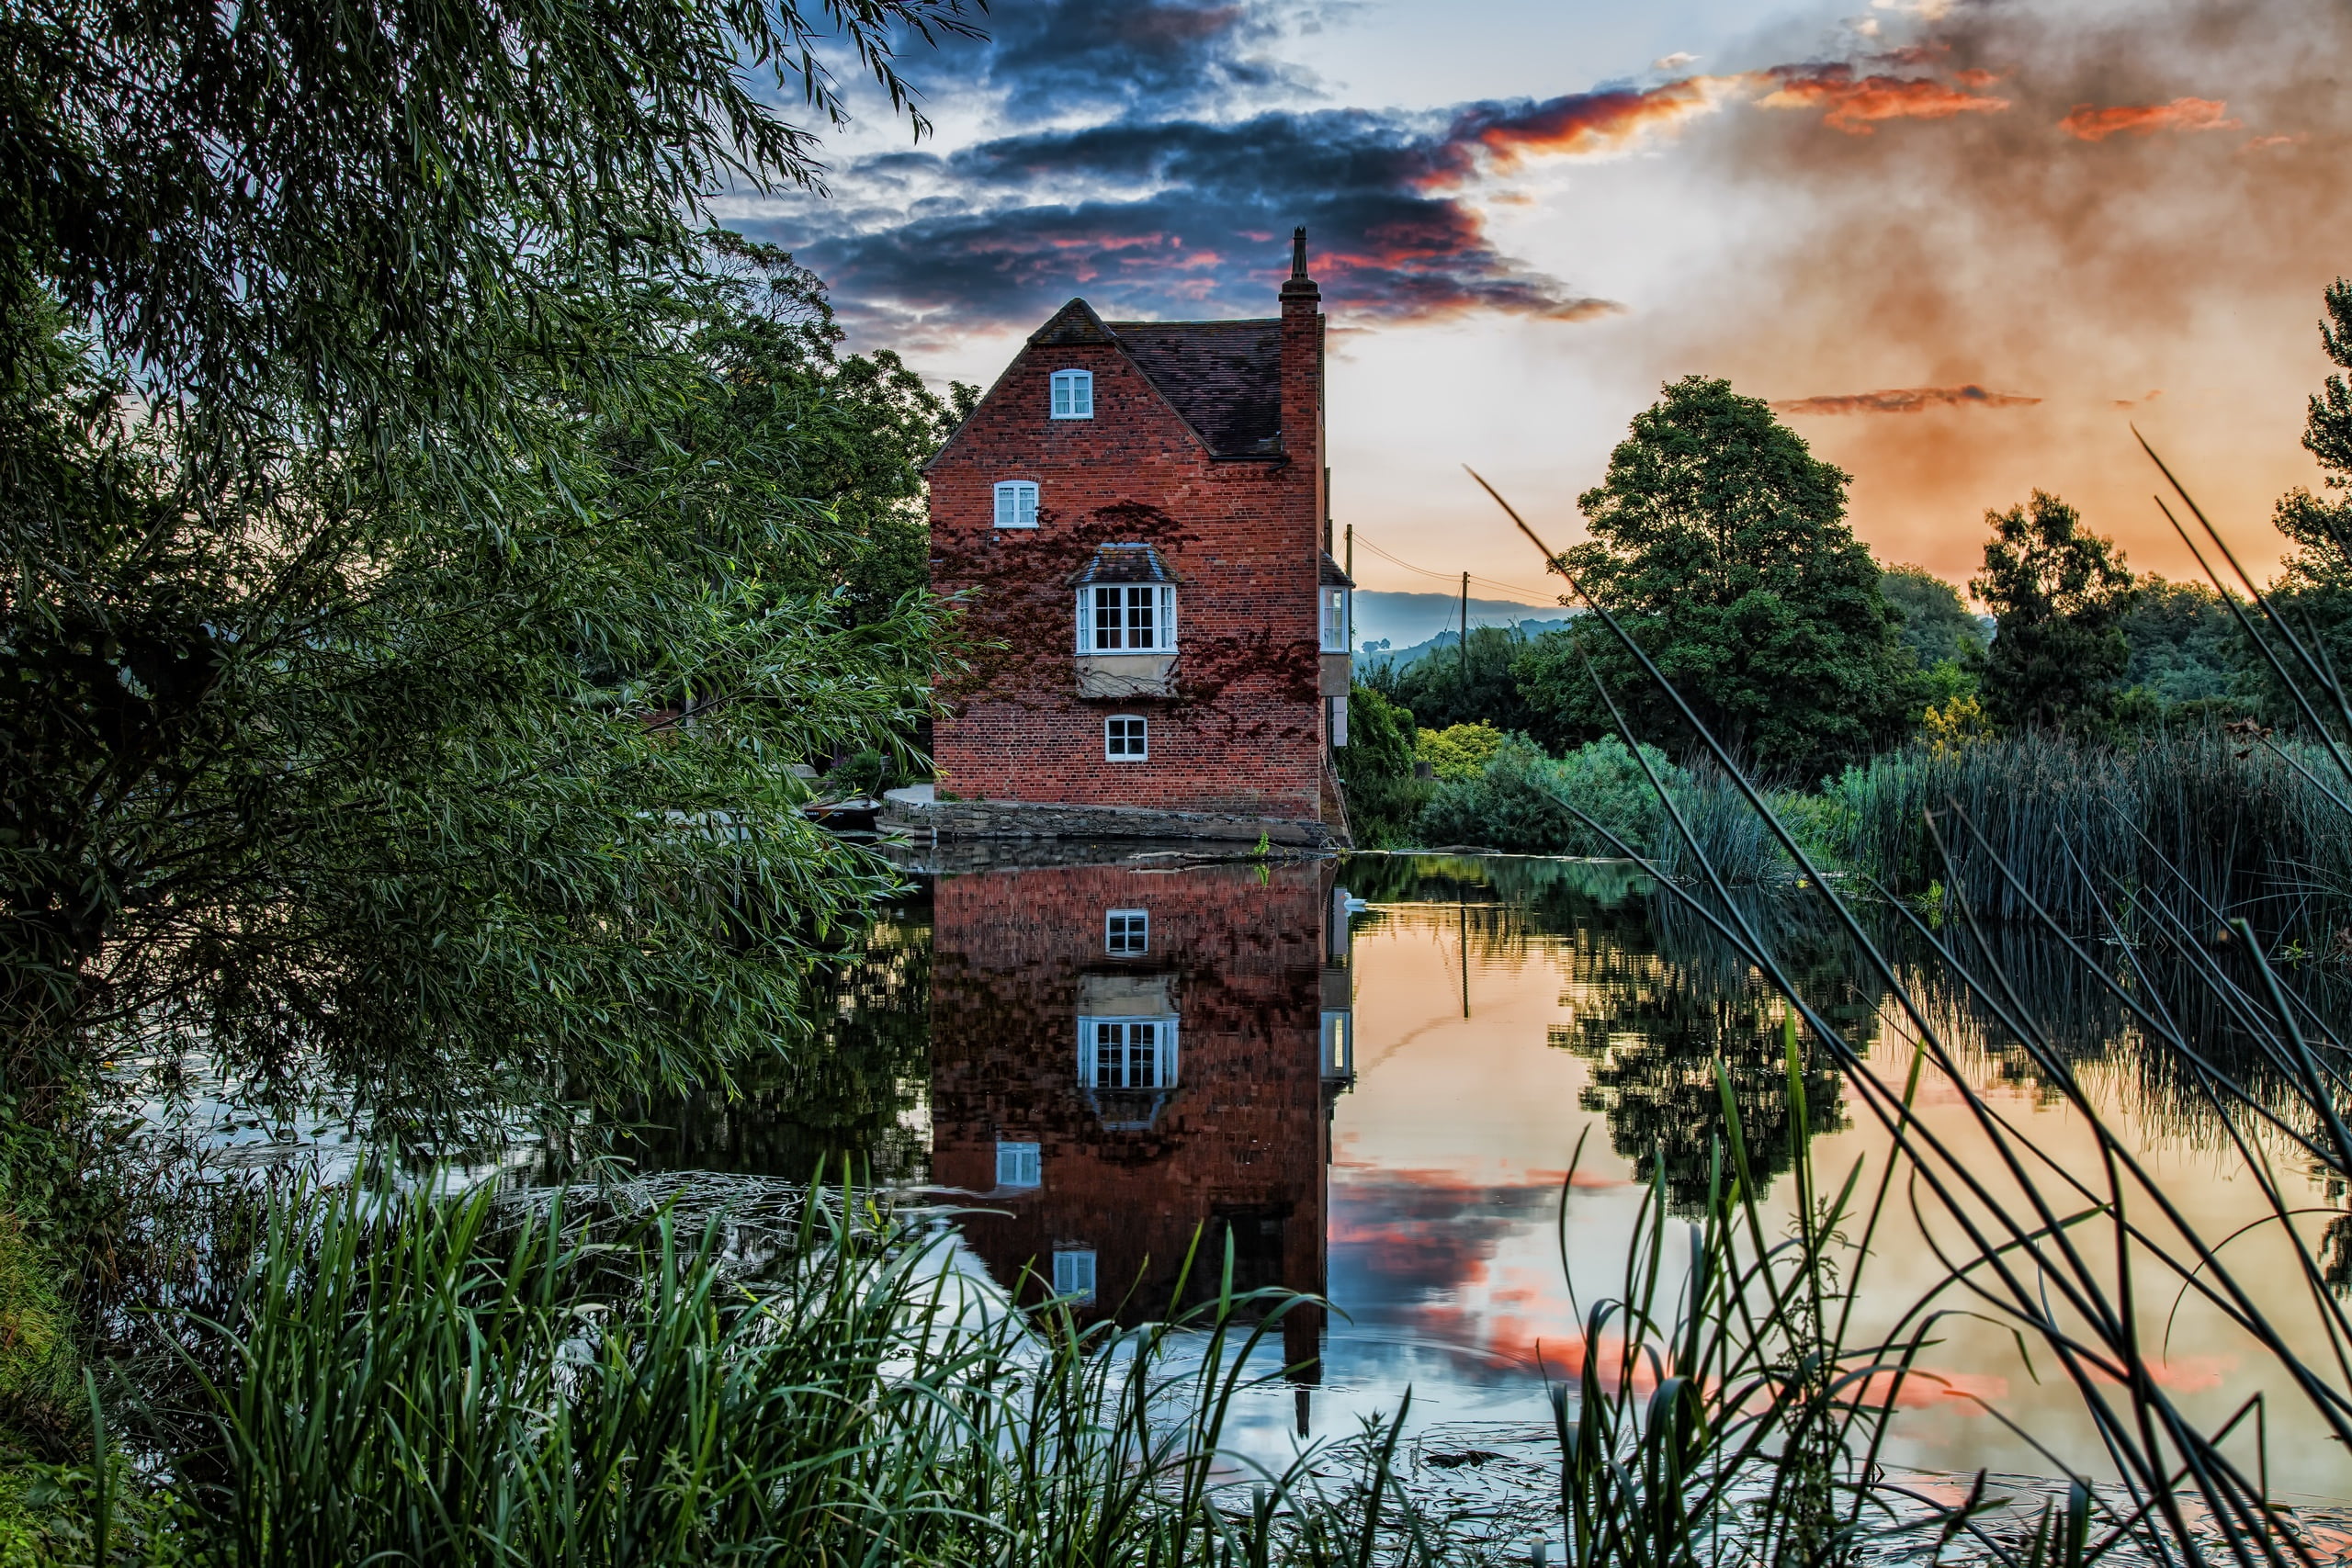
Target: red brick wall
[1242,1139]
[1245,731]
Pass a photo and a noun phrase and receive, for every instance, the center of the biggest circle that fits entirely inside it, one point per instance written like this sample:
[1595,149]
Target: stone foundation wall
[1032,819]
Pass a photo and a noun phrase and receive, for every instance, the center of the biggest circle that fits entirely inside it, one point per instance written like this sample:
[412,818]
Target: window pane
[1139,607]
[1107,626]
[1074,1275]
[1026,505]
[1017,1164]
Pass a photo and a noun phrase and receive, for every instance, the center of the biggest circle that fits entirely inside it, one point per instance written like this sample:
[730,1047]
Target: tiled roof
[1329,575]
[1123,563]
[1225,377]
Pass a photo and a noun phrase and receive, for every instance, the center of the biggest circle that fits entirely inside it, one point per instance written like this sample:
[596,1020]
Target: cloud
[1578,122]
[1856,103]
[1048,60]
[1192,217]
[2085,122]
[1905,400]
[1994,252]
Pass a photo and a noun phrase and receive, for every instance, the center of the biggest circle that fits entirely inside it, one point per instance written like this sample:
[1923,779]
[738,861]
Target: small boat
[856,813]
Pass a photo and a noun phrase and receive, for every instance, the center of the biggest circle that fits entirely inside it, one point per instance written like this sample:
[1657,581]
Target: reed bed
[2039,826]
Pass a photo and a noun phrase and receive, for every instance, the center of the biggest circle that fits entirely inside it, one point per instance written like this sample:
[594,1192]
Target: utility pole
[1349,568]
[1465,630]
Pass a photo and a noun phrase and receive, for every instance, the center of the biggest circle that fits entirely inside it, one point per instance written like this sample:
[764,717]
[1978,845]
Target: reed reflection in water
[1368,1078]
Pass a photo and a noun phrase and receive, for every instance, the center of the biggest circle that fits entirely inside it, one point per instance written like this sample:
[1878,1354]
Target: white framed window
[1339,1044]
[1017,1164]
[1126,737]
[1126,1053]
[1073,394]
[1016,504]
[1127,933]
[1127,617]
[1074,1272]
[1335,618]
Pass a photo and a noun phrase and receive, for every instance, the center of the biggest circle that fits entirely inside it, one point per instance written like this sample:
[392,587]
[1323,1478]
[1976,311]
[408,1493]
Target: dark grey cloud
[1178,216]
[1054,59]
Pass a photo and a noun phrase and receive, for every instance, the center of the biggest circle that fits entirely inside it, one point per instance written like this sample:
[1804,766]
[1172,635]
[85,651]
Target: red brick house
[1138,513]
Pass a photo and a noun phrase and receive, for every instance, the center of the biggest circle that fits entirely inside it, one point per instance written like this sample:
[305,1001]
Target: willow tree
[404,639]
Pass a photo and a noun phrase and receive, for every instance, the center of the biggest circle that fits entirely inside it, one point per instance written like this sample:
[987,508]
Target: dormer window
[1016,504]
[1073,394]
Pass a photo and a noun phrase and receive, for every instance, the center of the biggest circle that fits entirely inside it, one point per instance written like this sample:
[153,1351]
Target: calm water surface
[1372,1075]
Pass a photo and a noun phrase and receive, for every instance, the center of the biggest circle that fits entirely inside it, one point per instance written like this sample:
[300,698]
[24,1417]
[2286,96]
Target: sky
[1964,246]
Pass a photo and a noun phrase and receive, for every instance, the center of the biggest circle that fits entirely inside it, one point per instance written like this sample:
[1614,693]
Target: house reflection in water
[1122,1057]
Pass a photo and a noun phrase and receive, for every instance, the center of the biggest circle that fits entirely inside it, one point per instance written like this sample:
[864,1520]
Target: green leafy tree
[1444,688]
[1936,625]
[2188,651]
[2314,586]
[407,621]
[849,432]
[2059,594]
[1719,543]
[1375,768]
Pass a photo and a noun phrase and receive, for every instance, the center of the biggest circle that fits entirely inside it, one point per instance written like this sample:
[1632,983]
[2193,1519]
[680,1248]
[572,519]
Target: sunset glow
[2010,226]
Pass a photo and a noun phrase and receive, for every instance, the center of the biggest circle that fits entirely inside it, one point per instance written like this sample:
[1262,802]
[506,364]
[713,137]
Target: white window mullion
[1168,618]
[1086,620]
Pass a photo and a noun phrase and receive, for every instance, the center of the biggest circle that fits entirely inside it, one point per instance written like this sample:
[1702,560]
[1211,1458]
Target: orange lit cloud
[2088,123]
[1578,122]
[1856,103]
[1905,400]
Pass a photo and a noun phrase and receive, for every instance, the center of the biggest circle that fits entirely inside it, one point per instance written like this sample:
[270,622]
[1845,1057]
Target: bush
[1521,800]
[1461,751]
[1375,768]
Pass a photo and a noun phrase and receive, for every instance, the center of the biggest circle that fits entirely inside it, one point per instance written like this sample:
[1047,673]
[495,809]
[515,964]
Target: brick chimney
[1302,381]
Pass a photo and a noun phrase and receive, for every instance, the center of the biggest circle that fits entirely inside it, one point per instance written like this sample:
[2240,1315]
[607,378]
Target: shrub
[1375,768]
[1521,800]
[1461,751]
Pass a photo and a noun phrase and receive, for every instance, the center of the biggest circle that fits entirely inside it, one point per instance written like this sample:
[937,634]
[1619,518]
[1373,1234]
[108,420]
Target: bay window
[1127,617]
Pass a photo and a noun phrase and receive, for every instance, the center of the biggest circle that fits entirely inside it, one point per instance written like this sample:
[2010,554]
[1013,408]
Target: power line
[1448,576]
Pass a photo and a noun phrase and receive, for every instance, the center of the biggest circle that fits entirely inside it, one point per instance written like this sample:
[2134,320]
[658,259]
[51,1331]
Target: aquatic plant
[2056,1252]
[554,1378]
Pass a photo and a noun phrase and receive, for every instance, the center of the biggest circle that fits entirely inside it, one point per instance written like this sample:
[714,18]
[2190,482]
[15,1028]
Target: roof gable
[1224,377]
[1074,323]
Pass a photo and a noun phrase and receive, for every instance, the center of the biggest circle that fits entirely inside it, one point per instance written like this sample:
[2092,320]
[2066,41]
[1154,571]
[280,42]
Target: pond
[1371,1078]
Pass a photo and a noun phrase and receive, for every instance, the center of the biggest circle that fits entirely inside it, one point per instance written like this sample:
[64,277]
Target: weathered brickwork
[1243,729]
[1238,1144]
